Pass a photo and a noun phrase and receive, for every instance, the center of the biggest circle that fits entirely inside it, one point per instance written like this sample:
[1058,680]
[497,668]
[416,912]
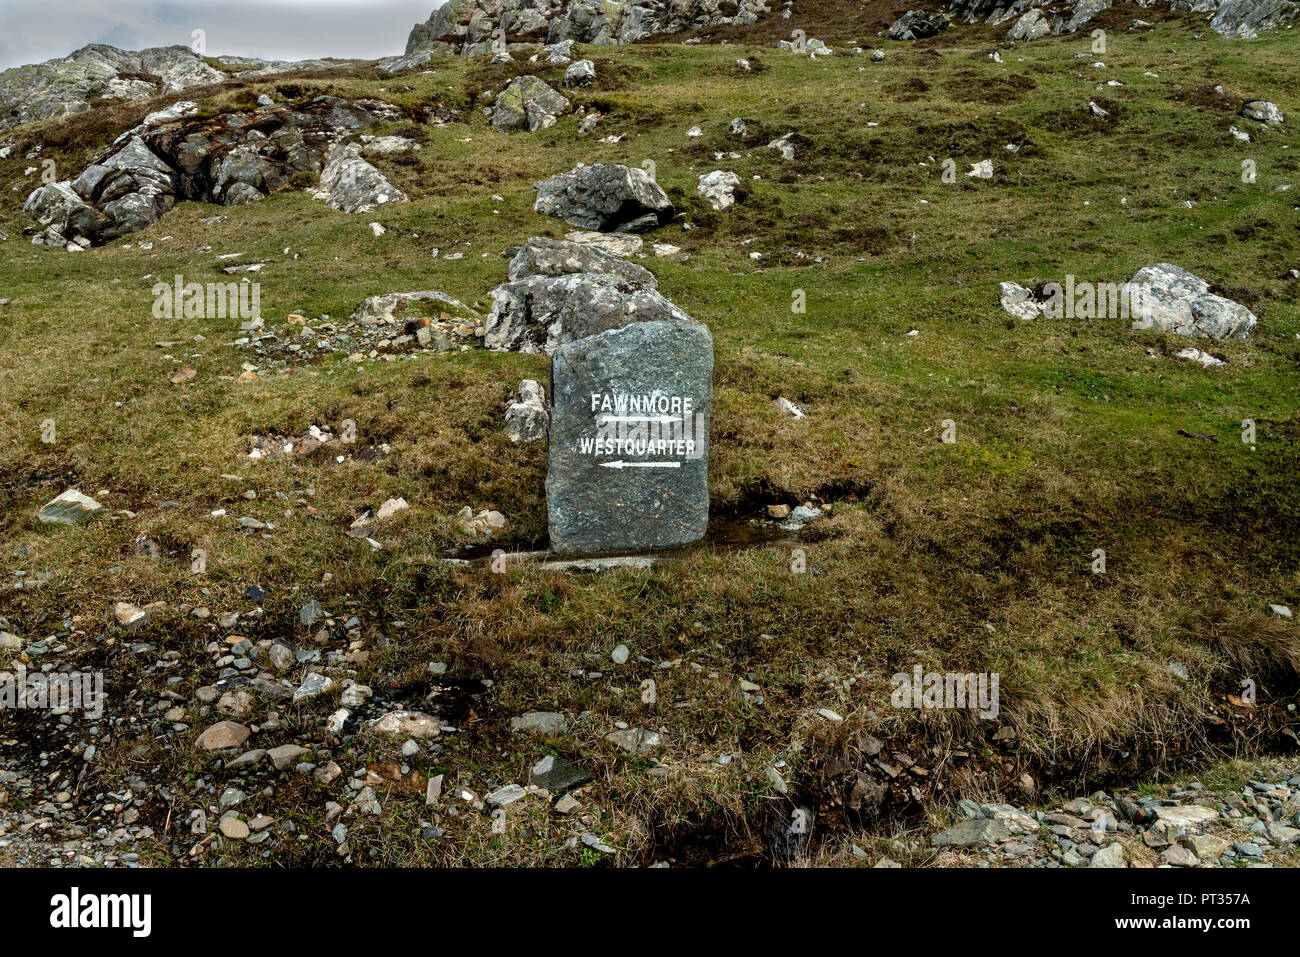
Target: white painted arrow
[639,418]
[620,464]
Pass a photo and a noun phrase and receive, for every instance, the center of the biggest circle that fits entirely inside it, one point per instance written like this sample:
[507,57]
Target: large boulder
[541,313]
[605,197]
[1262,111]
[1031,26]
[1167,298]
[528,103]
[582,73]
[554,257]
[918,24]
[350,184]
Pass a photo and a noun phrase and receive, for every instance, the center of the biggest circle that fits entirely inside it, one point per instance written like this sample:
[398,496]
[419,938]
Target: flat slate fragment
[629,439]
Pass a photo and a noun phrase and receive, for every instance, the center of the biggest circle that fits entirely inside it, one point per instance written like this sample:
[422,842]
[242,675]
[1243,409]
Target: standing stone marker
[629,452]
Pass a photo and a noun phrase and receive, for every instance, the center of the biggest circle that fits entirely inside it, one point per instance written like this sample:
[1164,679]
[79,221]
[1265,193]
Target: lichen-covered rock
[1246,19]
[528,103]
[616,244]
[1084,11]
[918,24]
[1262,111]
[540,313]
[553,257]
[1031,26]
[71,84]
[66,216]
[349,184]
[605,197]
[582,73]
[69,508]
[1167,298]
[719,188]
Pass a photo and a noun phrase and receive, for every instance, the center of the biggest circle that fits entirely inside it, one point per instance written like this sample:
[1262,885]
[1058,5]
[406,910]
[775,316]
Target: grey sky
[35,30]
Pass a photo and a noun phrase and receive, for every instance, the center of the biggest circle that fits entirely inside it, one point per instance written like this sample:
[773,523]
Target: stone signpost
[629,439]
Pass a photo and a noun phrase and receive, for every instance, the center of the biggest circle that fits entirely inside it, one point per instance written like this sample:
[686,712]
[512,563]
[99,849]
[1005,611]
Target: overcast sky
[32,31]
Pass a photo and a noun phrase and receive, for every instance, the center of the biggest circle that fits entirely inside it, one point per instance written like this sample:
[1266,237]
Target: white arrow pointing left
[620,464]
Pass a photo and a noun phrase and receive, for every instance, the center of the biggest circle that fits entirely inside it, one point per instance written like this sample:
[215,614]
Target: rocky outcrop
[991,11]
[918,24]
[99,72]
[1033,18]
[528,103]
[1030,26]
[468,26]
[1246,19]
[230,160]
[1038,18]
[73,83]
[605,197]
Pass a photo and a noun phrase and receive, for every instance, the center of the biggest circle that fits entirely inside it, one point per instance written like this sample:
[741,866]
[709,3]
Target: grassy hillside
[1072,435]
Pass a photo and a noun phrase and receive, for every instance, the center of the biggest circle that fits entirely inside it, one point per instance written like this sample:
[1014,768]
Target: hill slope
[1072,435]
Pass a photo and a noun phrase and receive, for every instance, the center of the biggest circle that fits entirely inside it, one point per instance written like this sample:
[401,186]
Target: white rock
[391,508]
[719,188]
[129,617]
[1186,815]
[527,418]
[789,408]
[69,508]
[1196,355]
[1019,301]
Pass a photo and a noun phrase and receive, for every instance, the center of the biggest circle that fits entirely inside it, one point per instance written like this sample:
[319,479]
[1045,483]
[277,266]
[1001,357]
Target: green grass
[965,557]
